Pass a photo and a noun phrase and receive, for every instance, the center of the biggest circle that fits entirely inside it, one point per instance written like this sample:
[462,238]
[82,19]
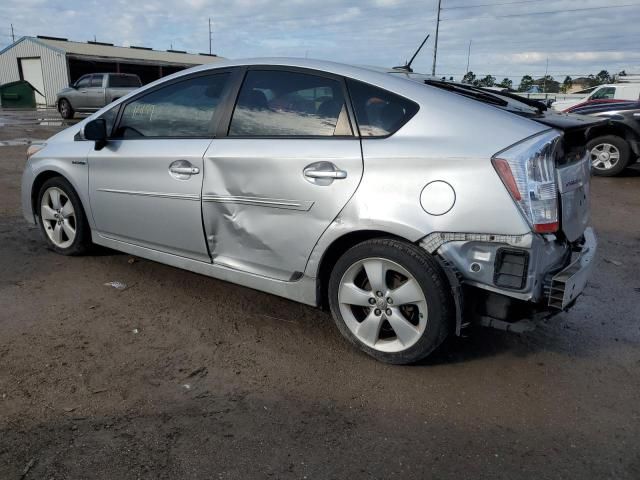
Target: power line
[609,7]
[493,4]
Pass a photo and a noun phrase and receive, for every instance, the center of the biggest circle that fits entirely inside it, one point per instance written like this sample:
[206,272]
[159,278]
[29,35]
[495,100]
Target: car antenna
[407,65]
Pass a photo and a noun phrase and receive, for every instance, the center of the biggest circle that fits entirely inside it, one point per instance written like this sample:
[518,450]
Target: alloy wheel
[604,156]
[58,217]
[382,304]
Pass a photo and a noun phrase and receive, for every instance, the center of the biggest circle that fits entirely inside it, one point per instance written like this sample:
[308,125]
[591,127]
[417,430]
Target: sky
[509,38]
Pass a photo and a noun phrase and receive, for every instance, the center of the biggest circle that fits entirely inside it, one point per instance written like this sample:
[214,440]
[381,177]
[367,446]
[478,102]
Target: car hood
[65,90]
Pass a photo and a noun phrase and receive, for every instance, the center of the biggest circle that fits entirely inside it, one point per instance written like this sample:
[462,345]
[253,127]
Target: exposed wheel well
[37,185]
[335,251]
[617,130]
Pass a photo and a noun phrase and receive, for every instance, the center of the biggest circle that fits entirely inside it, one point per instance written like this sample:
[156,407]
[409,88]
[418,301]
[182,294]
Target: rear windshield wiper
[540,106]
[468,92]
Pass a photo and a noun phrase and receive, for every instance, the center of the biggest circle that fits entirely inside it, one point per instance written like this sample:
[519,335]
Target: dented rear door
[287,165]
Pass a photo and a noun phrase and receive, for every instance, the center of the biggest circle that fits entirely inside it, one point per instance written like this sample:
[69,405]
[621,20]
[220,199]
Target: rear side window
[124,81]
[379,113]
[183,109]
[281,103]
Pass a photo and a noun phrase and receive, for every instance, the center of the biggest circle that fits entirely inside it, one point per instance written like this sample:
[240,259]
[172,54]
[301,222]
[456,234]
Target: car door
[282,171]
[145,184]
[79,96]
[95,92]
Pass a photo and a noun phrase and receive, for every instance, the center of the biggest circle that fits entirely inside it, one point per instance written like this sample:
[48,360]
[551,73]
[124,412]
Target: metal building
[51,64]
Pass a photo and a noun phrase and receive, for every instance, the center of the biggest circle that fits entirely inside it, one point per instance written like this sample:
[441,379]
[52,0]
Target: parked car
[614,91]
[615,145]
[409,210]
[92,92]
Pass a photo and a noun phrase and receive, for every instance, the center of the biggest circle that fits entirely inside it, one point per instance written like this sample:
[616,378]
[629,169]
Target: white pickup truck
[613,91]
[93,91]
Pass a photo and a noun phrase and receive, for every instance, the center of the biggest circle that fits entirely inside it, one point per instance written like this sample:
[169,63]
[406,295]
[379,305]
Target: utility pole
[209,35]
[435,48]
[13,36]
[468,57]
[546,71]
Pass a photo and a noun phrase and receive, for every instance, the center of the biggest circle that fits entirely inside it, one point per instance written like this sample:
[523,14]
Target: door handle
[185,170]
[323,173]
[182,170]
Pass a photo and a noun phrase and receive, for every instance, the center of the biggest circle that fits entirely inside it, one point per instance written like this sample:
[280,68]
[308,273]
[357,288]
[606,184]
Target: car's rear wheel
[391,300]
[609,155]
[66,111]
[62,219]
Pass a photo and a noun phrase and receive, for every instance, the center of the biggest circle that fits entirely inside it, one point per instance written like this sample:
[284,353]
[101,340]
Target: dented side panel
[261,214]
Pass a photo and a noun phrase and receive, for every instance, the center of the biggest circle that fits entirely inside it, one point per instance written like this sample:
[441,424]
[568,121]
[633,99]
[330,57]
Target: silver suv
[410,208]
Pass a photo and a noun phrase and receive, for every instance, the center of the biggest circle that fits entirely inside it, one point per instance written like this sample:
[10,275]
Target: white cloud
[376,32]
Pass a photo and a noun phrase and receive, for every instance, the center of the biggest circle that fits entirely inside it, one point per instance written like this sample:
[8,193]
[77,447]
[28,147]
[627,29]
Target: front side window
[96,81]
[379,113]
[84,82]
[604,93]
[182,109]
[282,103]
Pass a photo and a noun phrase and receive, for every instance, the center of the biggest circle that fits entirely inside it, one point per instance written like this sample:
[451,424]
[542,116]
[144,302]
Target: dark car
[615,145]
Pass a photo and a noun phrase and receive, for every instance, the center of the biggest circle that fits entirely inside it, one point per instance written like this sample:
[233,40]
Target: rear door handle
[323,173]
[185,170]
[182,170]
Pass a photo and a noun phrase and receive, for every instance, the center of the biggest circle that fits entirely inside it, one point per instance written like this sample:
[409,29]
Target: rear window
[124,81]
[379,112]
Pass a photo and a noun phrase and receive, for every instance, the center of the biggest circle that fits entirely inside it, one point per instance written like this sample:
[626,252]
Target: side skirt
[302,290]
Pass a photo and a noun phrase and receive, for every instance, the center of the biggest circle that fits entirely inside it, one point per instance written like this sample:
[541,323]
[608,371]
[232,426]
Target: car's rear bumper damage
[511,282]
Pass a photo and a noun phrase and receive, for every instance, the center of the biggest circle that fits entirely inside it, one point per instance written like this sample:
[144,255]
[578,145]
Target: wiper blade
[471,92]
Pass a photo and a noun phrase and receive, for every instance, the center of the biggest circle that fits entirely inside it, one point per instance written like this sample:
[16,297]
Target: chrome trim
[304,205]
[176,196]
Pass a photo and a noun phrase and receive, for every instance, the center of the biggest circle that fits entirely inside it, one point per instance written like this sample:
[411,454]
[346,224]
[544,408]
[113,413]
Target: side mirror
[73,85]
[96,130]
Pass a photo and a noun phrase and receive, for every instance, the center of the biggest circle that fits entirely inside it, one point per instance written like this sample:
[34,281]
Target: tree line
[546,84]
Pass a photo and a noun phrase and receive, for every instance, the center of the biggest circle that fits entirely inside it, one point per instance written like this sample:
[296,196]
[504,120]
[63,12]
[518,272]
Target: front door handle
[182,170]
[323,173]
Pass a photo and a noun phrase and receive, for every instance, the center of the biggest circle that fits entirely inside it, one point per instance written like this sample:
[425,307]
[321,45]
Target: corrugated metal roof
[126,53]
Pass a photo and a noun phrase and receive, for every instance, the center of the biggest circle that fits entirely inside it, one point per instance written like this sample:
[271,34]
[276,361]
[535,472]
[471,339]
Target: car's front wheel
[66,110]
[391,300]
[609,155]
[62,219]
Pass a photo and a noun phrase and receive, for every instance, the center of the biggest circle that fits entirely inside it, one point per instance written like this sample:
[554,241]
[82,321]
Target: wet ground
[183,376]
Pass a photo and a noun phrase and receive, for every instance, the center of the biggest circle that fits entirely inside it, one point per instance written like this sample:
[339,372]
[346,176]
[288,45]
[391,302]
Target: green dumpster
[20,94]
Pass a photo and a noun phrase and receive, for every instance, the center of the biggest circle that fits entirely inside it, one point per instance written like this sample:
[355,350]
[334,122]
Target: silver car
[410,208]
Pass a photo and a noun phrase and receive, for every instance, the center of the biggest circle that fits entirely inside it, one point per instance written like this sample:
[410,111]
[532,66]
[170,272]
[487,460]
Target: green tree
[506,83]
[469,78]
[548,84]
[488,81]
[525,83]
[567,84]
[603,77]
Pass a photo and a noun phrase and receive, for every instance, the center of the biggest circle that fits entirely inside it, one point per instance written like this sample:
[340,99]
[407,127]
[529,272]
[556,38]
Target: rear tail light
[528,171]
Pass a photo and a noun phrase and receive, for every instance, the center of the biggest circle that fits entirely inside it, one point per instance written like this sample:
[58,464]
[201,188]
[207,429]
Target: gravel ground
[184,376]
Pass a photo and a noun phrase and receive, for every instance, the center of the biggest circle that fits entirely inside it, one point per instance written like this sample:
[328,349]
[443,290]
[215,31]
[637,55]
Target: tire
[610,155]
[66,110]
[423,310]
[57,219]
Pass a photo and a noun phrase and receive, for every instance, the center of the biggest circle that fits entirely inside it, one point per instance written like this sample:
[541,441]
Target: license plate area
[573,186]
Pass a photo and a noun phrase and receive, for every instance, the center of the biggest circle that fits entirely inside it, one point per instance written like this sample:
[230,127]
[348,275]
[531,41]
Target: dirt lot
[183,376]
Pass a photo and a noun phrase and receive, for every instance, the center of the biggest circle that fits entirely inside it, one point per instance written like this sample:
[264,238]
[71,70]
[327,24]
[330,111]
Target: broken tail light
[528,171]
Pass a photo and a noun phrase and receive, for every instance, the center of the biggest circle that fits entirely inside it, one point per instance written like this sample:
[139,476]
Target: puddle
[19,142]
